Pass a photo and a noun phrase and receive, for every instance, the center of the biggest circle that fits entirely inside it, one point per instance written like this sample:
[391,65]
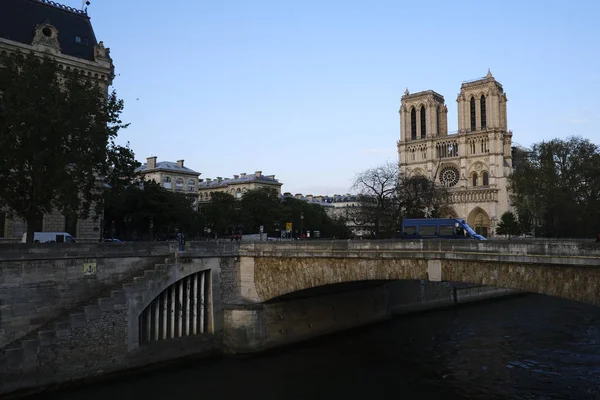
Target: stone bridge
[80,311]
[570,270]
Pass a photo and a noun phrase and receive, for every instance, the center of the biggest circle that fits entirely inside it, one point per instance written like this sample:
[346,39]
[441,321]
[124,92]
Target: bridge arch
[173,302]
[278,276]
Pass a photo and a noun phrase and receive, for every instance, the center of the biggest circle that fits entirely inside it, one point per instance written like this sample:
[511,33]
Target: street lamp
[301,224]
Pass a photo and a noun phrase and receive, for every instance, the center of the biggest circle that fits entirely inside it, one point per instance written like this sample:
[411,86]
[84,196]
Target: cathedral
[474,162]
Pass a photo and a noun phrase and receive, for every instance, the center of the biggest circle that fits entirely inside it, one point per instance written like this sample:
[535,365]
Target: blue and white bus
[438,228]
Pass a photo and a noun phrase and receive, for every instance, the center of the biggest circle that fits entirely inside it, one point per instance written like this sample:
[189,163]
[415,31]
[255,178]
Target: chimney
[272,177]
[200,180]
[219,178]
[180,163]
[236,176]
[309,197]
[287,194]
[258,174]
[242,174]
[151,162]
[208,180]
[298,196]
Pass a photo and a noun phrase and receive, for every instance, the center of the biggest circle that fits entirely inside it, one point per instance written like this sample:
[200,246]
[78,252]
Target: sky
[309,91]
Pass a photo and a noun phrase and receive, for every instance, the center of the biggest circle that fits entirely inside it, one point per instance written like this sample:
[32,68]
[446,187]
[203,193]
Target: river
[526,347]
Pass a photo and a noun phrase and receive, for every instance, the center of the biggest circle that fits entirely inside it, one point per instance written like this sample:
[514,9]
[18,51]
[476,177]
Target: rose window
[449,175]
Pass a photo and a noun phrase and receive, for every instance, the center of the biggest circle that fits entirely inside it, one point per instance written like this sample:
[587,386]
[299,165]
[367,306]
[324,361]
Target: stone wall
[264,326]
[96,348]
[252,328]
[39,282]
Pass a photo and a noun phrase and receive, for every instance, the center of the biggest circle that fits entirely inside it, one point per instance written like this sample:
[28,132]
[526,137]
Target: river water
[526,347]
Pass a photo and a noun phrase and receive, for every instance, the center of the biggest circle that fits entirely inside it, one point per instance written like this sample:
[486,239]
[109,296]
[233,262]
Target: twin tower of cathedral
[473,162]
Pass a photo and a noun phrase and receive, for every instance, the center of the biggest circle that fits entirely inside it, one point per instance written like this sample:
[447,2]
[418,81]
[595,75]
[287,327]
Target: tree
[508,225]
[556,186]
[221,212]
[146,210]
[377,202]
[386,197]
[261,206]
[57,132]
[420,197]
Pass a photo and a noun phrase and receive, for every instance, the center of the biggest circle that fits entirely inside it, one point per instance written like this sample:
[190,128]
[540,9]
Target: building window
[238,194]
[423,131]
[413,123]
[2,223]
[474,179]
[85,41]
[482,108]
[473,120]
[486,179]
[179,184]
[191,185]
[167,182]
[437,120]
[78,39]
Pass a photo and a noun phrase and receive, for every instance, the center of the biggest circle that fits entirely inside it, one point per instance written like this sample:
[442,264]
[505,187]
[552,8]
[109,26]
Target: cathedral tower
[473,163]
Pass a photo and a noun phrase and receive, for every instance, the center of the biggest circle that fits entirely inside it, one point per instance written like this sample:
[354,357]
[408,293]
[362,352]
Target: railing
[180,310]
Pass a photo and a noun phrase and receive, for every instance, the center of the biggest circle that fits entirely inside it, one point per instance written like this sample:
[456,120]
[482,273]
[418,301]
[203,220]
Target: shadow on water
[526,347]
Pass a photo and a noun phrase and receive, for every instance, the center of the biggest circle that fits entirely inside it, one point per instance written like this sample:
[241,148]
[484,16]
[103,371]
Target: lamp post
[301,224]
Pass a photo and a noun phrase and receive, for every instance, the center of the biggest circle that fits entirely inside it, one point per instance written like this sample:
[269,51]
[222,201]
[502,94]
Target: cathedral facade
[474,162]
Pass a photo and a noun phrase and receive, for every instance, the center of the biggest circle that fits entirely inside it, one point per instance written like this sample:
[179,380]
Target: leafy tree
[146,210]
[508,225]
[556,186]
[221,213]
[57,132]
[261,206]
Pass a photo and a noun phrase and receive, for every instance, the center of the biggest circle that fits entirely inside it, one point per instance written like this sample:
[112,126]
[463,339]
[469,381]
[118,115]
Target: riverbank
[298,319]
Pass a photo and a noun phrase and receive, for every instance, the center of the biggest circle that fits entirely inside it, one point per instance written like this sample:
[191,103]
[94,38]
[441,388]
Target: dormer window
[78,39]
[47,31]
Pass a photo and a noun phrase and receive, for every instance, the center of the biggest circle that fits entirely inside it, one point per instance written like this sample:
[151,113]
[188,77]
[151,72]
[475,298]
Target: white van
[49,237]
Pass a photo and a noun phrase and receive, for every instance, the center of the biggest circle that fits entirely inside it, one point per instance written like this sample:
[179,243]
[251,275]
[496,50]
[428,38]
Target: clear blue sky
[310,90]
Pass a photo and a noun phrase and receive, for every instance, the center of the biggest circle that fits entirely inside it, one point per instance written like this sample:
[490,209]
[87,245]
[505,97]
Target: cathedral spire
[489,74]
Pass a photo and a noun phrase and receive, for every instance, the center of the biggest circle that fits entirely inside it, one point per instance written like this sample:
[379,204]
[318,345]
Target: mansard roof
[168,166]
[18,19]
[257,177]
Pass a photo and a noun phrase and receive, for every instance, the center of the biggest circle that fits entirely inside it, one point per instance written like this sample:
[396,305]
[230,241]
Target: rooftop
[18,19]
[239,179]
[169,166]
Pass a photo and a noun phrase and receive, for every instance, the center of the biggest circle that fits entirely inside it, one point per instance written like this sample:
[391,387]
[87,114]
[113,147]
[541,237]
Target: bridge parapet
[536,252]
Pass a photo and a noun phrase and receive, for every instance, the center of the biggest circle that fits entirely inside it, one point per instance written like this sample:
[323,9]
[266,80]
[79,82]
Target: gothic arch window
[473,117]
[437,120]
[482,108]
[474,178]
[423,130]
[486,179]
[413,123]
